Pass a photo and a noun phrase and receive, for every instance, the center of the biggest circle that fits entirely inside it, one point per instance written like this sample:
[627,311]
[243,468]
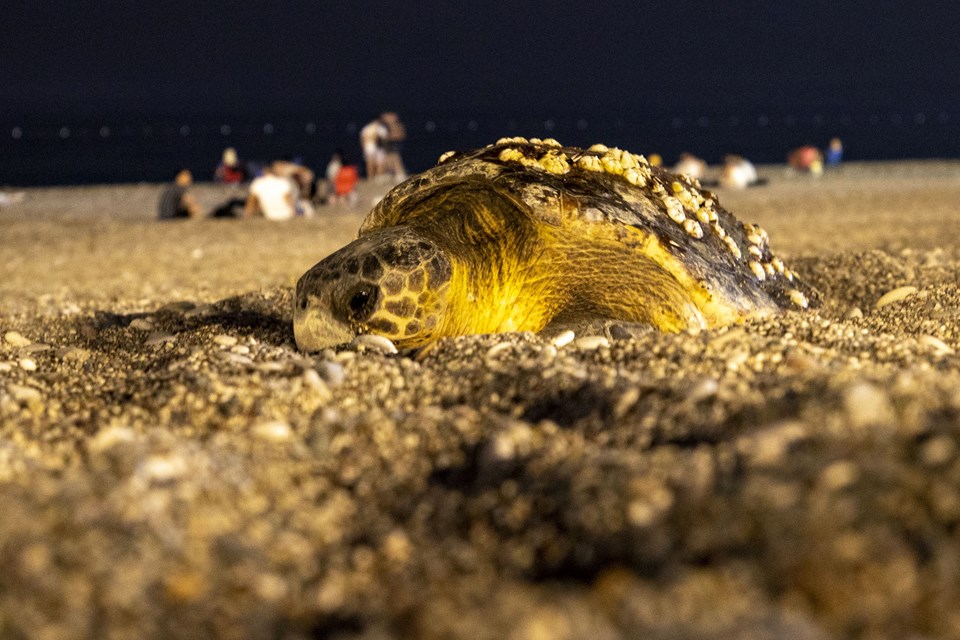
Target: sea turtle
[529,235]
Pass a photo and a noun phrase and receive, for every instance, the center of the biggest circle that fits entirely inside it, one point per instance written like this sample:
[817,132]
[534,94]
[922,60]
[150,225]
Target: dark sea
[36,152]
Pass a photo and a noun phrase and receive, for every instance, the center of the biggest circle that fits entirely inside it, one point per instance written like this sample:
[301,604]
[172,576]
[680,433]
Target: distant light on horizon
[225,129]
[104,131]
[268,129]
[185,130]
[430,126]
[311,128]
[64,132]
[16,133]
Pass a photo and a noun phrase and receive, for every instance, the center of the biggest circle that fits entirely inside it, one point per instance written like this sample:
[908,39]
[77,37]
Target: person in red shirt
[230,171]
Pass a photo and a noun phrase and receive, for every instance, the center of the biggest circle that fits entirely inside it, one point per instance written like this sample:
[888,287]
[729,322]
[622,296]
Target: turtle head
[392,282]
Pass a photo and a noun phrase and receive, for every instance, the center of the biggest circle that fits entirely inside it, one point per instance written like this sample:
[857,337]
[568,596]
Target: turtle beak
[314,325]
[315,329]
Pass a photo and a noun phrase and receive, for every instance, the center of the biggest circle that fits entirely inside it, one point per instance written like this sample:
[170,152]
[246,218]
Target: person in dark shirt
[176,201]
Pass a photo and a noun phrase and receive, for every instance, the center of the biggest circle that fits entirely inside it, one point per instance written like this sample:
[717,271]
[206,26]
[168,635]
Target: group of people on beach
[281,190]
[739,173]
[287,188]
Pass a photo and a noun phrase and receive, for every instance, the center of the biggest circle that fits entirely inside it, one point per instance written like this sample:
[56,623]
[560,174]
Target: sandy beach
[172,467]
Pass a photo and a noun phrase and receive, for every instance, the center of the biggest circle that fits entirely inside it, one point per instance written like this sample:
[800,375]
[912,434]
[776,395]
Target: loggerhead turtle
[528,235]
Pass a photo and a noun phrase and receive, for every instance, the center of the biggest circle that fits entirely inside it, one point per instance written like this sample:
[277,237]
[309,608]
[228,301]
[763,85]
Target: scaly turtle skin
[527,235]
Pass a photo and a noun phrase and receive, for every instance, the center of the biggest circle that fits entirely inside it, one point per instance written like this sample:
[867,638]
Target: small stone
[649,509]
[75,354]
[179,307]
[273,366]
[238,358]
[185,586]
[332,372]
[27,364]
[498,348]
[853,313]
[160,337]
[199,310]
[768,447]
[839,475]
[938,451]
[895,296]
[591,343]
[165,468]
[5,367]
[224,340]
[397,547]
[22,393]
[706,388]
[141,324]
[110,437]
[737,360]
[16,339]
[867,405]
[273,431]
[375,343]
[564,339]
[312,380]
[938,346]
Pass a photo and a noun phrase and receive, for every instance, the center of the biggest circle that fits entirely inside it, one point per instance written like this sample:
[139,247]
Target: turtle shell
[608,186]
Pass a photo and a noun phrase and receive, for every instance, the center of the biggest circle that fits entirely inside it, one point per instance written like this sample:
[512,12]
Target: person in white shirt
[738,173]
[372,137]
[274,198]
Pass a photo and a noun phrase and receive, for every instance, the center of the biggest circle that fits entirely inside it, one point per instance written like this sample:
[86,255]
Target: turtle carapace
[528,235]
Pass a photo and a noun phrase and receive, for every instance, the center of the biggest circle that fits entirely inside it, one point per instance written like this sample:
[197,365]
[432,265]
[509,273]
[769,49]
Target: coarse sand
[172,467]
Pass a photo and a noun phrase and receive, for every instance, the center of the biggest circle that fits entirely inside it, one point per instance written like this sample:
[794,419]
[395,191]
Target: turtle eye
[362,301]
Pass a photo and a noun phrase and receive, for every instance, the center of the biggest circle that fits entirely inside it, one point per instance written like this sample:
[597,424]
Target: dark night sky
[181,57]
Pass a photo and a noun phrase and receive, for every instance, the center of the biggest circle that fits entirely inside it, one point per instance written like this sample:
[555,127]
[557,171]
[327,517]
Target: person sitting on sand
[176,201]
[275,198]
[738,173]
[230,171]
[301,175]
[345,182]
[691,166]
[806,159]
[834,154]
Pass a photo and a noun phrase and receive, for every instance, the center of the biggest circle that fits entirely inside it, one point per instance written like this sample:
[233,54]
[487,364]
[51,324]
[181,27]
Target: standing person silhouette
[396,134]
[372,137]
